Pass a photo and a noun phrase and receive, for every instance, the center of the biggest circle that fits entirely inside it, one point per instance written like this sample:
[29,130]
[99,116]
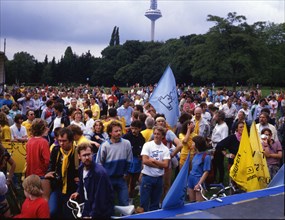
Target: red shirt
[190,105]
[38,155]
[114,98]
[37,208]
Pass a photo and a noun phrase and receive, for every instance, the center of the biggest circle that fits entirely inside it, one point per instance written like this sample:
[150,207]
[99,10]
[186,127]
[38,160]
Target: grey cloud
[91,22]
[68,20]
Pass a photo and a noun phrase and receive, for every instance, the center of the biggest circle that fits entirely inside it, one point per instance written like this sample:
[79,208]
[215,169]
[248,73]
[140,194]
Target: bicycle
[221,193]
[78,208]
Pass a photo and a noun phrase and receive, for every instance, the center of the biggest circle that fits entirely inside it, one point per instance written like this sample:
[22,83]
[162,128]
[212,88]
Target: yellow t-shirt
[27,124]
[121,122]
[5,133]
[81,140]
[147,134]
[95,108]
[186,148]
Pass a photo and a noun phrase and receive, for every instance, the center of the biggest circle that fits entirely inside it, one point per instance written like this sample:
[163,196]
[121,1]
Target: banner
[243,170]
[259,159]
[18,154]
[176,195]
[164,97]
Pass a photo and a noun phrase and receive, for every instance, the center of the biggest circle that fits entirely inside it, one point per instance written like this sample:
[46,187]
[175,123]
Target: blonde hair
[33,185]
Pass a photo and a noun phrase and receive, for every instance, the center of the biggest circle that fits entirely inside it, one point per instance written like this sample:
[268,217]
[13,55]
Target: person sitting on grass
[34,206]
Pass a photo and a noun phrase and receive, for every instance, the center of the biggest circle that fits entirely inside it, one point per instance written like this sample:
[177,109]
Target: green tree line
[231,51]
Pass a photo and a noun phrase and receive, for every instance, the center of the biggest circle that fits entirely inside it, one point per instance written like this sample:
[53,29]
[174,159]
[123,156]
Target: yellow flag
[259,159]
[243,171]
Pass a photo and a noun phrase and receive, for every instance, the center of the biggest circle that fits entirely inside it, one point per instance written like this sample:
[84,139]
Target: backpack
[211,176]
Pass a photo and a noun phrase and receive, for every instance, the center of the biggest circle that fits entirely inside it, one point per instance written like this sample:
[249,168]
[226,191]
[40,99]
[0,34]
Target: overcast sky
[48,27]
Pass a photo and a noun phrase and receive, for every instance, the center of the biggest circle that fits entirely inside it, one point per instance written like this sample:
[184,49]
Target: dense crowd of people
[100,145]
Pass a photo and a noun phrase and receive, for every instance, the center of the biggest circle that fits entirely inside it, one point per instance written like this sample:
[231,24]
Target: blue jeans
[150,192]
[57,205]
[121,188]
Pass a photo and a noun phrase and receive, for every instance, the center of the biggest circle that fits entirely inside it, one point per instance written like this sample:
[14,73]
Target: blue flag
[164,97]
[176,195]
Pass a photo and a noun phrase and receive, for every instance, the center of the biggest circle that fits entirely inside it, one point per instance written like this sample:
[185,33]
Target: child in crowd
[200,169]
[34,205]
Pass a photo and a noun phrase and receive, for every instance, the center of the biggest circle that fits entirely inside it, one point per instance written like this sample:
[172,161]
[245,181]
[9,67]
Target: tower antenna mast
[153,14]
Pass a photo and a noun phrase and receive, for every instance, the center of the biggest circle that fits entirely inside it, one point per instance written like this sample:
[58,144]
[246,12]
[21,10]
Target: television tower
[153,14]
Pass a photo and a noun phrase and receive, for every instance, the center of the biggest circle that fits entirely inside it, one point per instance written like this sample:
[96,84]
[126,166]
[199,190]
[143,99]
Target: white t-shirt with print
[158,152]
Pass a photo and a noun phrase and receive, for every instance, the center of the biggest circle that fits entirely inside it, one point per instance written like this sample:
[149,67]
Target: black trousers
[218,165]
[229,122]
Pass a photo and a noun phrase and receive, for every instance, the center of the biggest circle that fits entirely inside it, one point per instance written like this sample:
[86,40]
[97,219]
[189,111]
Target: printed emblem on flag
[249,170]
[168,100]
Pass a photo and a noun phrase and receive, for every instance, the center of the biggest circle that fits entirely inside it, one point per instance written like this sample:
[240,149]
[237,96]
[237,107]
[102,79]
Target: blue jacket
[100,203]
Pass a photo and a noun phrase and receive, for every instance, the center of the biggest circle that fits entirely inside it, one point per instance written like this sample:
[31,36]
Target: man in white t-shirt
[155,158]
[18,131]
[264,123]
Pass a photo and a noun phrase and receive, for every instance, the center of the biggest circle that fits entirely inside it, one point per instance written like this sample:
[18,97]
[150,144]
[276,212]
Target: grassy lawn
[264,90]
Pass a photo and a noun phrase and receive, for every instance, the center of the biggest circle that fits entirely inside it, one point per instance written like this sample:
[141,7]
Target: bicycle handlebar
[79,214]
[202,192]
[217,185]
[123,210]
[220,193]
[222,187]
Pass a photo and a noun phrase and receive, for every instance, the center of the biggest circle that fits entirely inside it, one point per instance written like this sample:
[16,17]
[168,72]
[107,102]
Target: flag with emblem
[259,159]
[243,171]
[165,99]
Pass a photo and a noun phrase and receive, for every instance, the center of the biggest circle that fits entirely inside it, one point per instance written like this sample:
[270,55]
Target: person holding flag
[243,171]
[164,99]
[229,146]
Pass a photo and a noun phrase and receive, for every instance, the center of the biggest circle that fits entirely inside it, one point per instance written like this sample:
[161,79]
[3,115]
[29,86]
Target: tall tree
[112,40]
[67,71]
[229,51]
[117,37]
[275,42]
[47,74]
[20,68]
